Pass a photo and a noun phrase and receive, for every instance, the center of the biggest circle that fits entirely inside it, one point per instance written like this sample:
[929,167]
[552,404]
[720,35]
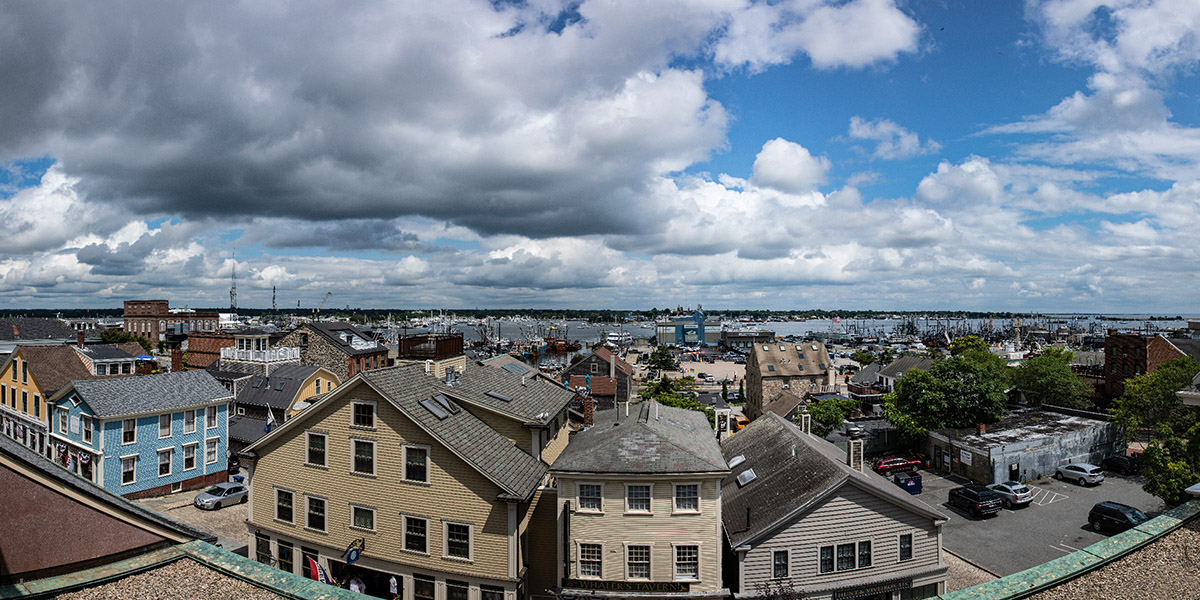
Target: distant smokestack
[79,338]
[176,360]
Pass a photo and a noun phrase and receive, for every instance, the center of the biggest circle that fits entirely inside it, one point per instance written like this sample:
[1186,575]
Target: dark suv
[1125,465]
[976,498]
[1115,516]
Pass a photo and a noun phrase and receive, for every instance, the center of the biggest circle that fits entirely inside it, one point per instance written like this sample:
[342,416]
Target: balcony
[271,355]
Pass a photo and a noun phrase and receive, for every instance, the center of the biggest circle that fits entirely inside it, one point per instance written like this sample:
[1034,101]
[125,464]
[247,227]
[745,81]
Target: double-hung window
[164,462]
[416,534]
[845,557]
[164,426]
[637,498]
[128,431]
[362,517]
[189,421]
[210,451]
[590,499]
[687,497]
[906,546]
[826,559]
[416,464]
[779,564]
[458,540]
[63,416]
[284,500]
[591,560]
[189,457]
[210,417]
[364,457]
[37,406]
[637,560]
[316,514]
[864,554]
[128,470]
[687,562]
[86,426]
[316,449]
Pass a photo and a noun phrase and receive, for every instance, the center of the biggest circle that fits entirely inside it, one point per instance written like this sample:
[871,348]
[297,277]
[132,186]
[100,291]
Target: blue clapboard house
[143,436]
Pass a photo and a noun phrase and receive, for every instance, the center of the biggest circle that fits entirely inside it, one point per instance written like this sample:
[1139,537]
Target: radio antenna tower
[273,307]
[233,285]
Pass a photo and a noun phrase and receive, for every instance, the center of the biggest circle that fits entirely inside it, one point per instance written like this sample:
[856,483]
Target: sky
[794,154]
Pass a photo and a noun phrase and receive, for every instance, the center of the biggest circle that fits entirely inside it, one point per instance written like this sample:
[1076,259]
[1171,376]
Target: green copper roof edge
[61,584]
[263,576]
[1042,577]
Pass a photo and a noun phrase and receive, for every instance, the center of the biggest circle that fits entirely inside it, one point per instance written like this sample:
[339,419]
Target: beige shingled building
[778,367]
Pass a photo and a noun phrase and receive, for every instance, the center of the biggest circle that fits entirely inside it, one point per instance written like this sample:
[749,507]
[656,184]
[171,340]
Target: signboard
[863,591]
[655,587]
[964,456]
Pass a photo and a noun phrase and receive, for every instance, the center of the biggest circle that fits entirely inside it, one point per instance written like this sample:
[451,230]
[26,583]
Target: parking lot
[1053,525]
[228,524]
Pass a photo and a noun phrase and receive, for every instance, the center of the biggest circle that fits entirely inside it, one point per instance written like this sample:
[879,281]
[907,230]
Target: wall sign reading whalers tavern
[656,587]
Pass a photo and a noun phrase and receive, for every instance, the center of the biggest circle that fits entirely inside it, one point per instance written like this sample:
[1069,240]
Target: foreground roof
[534,400]
[794,472]
[651,439]
[110,398]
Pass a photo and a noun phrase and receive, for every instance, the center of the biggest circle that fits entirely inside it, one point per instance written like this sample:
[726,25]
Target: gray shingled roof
[246,429]
[897,368]
[34,328]
[531,396]
[867,375]
[277,391]
[1189,347]
[105,352]
[333,332]
[111,398]
[652,439]
[97,494]
[785,484]
[53,366]
[514,470]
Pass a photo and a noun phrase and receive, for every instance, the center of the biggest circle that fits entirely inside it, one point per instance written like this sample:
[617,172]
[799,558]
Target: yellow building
[435,481]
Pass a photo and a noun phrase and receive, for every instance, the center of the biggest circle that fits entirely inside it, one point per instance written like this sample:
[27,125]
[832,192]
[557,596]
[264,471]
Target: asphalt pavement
[1053,525]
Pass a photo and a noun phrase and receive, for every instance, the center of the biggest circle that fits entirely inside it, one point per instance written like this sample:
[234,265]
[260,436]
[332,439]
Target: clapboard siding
[851,515]
[457,492]
[615,528]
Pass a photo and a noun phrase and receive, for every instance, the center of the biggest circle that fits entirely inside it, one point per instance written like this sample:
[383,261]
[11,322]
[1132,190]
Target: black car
[1125,465]
[1115,516]
[977,499]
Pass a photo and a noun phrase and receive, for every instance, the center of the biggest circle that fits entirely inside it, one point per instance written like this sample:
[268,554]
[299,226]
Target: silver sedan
[1014,493]
[221,495]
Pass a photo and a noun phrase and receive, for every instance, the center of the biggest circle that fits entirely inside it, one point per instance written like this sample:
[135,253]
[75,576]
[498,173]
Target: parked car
[887,464]
[1081,473]
[1115,516]
[977,499]
[1014,493]
[221,495]
[1125,465]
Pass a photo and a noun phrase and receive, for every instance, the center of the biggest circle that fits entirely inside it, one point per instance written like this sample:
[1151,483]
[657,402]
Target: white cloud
[788,167]
[893,142]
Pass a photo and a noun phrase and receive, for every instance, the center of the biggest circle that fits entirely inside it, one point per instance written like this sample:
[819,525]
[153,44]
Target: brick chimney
[854,449]
[176,360]
[79,338]
[589,410]
[16,330]
[981,428]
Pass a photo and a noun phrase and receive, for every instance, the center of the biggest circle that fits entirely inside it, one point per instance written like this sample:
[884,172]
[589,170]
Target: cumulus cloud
[892,142]
[788,167]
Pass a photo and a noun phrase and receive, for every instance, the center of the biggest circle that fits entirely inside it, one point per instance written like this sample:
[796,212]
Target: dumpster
[909,481]
[241,479]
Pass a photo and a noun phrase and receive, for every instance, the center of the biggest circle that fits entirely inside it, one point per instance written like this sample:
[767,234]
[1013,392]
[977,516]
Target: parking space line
[1042,497]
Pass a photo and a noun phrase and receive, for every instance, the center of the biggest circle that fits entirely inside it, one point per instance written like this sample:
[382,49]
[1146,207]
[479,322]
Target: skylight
[434,409]
[445,403]
[737,460]
[745,477]
[499,396]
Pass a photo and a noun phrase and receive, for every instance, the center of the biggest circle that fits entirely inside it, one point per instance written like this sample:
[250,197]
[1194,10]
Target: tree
[863,358]
[725,390]
[1048,379]
[957,392]
[742,390]
[1149,402]
[678,393]
[830,413]
[661,359]
[1172,464]
[116,336]
[968,344]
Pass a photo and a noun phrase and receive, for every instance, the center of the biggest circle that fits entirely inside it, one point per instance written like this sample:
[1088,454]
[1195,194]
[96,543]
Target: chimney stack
[806,421]
[16,330]
[589,410]
[981,428]
[854,449]
[176,360]
[79,338]
[612,365]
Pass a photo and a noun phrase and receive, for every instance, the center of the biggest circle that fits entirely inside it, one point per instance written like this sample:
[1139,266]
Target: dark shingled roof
[246,429]
[783,403]
[785,485]
[110,398]
[334,331]
[493,455]
[277,391]
[1189,347]
[867,375]
[53,367]
[897,368]
[652,439]
[33,328]
[97,494]
[537,400]
[107,352]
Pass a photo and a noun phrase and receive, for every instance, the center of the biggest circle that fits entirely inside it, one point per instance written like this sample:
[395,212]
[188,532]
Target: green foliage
[679,393]
[829,414]
[742,390]
[863,358]
[1172,464]
[1149,402]
[1048,379]
[116,336]
[725,390]
[968,344]
[661,359]
[957,392]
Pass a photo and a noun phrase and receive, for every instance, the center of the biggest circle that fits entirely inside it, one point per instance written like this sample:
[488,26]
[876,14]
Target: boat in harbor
[620,337]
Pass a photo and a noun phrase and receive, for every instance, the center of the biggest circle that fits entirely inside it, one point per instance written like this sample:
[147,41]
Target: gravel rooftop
[1166,569]
[183,580]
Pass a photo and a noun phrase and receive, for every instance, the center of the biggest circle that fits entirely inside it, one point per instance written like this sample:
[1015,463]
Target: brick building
[154,319]
[339,347]
[1128,355]
[775,368]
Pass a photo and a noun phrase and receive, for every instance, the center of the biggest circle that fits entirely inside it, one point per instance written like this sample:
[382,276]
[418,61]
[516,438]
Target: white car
[1081,473]
[1014,493]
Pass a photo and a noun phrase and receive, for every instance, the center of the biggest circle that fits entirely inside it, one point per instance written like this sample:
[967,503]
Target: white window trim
[218,452]
[579,559]
[699,561]
[374,517]
[374,415]
[123,442]
[307,501]
[374,456]
[275,507]
[86,423]
[625,556]
[650,511]
[681,511]
[215,421]
[185,426]
[789,562]
[195,446]
[324,465]
[170,426]
[404,517]
[64,417]
[170,461]
[428,464]
[579,498]
[121,462]
[470,557]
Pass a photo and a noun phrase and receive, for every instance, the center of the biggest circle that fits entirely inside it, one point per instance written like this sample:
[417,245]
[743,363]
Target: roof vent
[499,396]
[737,460]
[434,409]
[745,477]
